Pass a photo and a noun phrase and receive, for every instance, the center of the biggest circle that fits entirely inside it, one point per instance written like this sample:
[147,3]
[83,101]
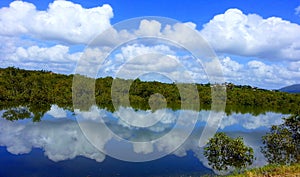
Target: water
[65,143]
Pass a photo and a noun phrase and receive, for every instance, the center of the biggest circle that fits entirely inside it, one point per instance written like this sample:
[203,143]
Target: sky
[257,42]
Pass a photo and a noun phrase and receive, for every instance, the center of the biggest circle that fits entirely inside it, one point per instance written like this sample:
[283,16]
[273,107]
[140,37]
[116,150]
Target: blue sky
[199,12]
[257,42]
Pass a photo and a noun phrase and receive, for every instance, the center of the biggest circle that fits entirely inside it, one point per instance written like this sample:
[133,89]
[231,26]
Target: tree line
[23,87]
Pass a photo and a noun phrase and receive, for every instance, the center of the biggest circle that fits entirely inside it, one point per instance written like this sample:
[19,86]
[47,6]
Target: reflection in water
[61,138]
[17,113]
[32,111]
[250,122]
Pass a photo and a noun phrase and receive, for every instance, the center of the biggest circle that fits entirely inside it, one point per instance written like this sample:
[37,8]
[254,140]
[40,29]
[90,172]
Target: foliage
[31,111]
[224,152]
[271,171]
[21,87]
[16,113]
[282,143]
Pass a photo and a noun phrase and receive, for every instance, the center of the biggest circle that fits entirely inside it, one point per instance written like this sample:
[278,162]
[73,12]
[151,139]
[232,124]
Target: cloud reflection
[62,139]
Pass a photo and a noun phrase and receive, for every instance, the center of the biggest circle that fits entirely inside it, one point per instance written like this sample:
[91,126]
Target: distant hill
[291,89]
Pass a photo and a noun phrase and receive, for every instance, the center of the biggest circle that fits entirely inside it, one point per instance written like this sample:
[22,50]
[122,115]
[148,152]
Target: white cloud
[57,53]
[230,66]
[250,35]
[131,51]
[270,75]
[91,61]
[183,33]
[257,73]
[134,60]
[56,58]
[57,112]
[152,63]
[260,69]
[149,28]
[62,21]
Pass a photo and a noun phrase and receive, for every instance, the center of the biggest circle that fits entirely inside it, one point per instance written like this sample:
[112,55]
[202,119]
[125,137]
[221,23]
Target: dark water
[36,164]
[60,144]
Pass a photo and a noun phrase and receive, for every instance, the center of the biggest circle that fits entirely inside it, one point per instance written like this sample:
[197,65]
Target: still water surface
[56,146]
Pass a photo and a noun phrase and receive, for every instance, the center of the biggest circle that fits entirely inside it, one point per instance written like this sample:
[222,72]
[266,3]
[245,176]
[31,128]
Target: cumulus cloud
[174,67]
[256,72]
[131,51]
[271,74]
[57,53]
[149,28]
[167,66]
[230,66]
[132,61]
[57,58]
[62,21]
[173,33]
[250,35]
[92,60]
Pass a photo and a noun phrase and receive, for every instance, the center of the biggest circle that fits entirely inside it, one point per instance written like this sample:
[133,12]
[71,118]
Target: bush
[223,152]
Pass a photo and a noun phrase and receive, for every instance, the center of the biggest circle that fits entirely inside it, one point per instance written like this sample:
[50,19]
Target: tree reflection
[282,143]
[17,113]
[38,111]
[224,152]
[32,111]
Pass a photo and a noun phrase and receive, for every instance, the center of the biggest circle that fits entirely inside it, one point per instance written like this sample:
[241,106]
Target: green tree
[282,144]
[224,152]
[20,87]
